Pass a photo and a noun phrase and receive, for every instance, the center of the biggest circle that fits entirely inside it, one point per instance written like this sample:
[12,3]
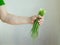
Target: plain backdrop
[49,32]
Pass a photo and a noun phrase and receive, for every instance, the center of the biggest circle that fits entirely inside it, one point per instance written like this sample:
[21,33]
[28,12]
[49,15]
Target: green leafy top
[42,12]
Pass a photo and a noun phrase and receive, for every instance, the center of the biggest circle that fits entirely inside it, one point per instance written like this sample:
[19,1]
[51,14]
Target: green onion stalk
[35,28]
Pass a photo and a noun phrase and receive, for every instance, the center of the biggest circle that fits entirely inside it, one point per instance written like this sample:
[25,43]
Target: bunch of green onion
[36,25]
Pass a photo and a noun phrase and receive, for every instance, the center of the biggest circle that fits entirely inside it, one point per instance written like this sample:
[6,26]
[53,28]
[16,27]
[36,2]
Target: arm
[12,19]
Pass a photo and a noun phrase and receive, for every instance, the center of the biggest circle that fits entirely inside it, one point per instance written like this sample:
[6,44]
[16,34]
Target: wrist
[29,20]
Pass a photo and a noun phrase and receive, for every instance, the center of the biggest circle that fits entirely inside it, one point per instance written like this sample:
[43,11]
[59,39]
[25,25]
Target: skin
[15,20]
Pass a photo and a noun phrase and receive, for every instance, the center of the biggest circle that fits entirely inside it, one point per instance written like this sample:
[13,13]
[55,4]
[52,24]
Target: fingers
[34,17]
[40,16]
[40,20]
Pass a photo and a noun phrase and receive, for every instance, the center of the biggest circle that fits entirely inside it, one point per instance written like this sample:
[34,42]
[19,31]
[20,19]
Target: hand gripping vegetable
[2,2]
[36,24]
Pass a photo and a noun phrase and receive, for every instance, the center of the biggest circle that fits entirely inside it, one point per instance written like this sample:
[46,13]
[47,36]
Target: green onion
[36,24]
[2,2]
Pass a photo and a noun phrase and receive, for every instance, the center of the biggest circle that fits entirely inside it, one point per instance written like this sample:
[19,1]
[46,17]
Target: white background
[49,32]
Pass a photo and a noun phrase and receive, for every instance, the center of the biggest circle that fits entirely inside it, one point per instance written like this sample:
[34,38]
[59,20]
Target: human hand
[35,17]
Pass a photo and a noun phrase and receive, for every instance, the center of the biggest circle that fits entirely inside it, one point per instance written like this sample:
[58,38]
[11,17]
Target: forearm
[12,19]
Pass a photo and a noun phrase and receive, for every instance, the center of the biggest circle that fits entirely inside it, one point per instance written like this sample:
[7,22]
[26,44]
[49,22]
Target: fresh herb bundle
[36,24]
